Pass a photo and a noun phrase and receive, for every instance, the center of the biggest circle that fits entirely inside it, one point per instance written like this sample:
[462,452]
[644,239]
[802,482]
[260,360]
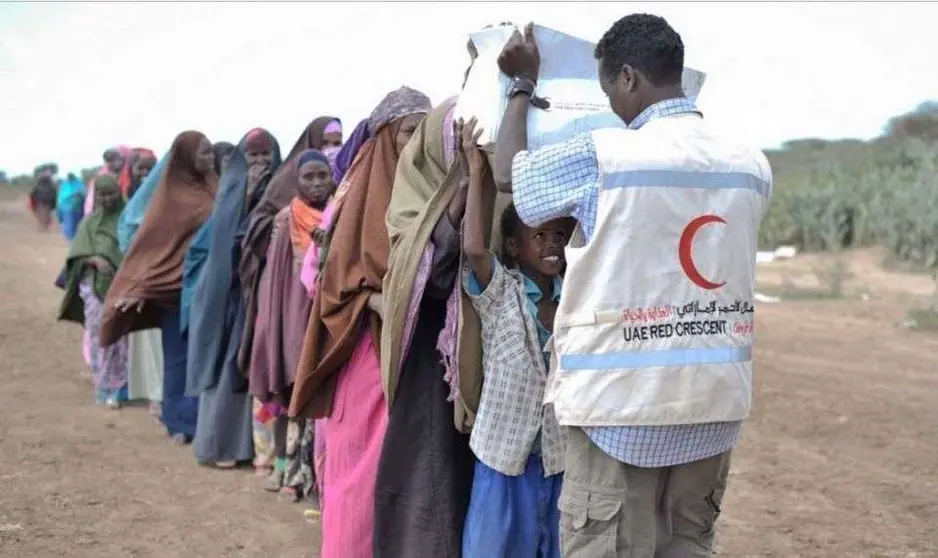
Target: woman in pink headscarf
[116,163]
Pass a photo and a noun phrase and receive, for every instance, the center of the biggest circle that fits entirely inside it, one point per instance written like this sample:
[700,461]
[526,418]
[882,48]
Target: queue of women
[329,316]
[253,298]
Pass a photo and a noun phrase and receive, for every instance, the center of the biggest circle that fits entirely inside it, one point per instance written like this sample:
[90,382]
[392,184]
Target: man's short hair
[648,44]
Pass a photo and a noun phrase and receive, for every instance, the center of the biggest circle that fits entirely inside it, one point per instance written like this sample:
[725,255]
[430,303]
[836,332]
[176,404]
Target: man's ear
[628,78]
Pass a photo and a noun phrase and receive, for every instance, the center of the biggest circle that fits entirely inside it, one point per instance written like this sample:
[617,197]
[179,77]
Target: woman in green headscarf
[92,262]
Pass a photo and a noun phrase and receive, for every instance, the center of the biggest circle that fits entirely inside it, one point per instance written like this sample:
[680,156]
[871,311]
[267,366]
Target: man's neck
[664,94]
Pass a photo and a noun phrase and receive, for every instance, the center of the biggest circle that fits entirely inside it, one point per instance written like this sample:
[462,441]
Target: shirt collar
[534,292]
[668,107]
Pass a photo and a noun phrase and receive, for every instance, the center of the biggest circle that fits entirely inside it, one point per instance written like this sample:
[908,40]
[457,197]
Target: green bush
[835,195]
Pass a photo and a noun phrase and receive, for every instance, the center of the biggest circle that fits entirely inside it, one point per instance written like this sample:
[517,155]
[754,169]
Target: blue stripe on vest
[686,179]
[670,357]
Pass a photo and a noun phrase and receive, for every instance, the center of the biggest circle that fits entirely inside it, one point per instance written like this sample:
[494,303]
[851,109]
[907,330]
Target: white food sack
[569,79]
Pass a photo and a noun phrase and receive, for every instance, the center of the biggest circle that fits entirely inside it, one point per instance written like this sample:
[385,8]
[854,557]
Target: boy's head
[536,250]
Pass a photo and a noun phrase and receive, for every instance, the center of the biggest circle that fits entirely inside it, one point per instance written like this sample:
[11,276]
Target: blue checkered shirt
[563,180]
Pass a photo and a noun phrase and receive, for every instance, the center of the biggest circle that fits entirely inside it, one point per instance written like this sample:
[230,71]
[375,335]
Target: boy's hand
[467,141]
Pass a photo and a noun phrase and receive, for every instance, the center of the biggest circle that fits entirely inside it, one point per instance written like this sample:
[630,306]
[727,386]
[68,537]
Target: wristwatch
[523,85]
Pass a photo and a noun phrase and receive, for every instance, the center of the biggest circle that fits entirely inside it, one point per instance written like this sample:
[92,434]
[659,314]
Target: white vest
[655,325]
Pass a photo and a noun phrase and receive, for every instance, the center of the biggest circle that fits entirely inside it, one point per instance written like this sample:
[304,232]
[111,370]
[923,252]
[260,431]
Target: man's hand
[520,56]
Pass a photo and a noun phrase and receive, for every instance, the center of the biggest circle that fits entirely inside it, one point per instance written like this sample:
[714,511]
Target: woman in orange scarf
[283,312]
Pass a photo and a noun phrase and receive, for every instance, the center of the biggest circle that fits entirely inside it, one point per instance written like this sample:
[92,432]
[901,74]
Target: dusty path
[82,481]
[840,458]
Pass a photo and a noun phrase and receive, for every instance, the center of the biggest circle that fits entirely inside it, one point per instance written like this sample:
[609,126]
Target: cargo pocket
[589,522]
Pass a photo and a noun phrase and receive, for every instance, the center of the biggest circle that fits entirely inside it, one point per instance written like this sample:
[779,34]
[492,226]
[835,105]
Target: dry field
[840,457]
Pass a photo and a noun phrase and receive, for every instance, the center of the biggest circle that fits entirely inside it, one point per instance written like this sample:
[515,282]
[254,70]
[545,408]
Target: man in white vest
[653,336]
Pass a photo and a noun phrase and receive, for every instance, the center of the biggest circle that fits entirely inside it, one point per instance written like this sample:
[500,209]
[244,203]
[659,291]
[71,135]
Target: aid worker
[653,335]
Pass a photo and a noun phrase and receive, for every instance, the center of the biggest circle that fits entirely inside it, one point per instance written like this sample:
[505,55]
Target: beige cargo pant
[609,509]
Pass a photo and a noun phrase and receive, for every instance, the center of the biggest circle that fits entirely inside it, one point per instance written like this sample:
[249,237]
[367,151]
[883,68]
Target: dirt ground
[839,458]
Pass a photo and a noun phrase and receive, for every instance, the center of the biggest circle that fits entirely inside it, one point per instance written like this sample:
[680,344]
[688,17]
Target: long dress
[353,435]
[226,429]
[425,473]
[283,307]
[108,364]
[145,373]
[179,412]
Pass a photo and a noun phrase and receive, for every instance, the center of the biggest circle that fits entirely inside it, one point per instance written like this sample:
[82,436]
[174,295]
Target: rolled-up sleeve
[555,181]
[487,302]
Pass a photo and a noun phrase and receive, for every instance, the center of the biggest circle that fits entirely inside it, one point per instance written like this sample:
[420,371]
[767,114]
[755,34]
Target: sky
[76,78]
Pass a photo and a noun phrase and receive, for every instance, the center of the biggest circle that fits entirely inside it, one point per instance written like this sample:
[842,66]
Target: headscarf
[96,236]
[136,209]
[222,149]
[122,176]
[139,154]
[331,151]
[280,191]
[152,267]
[355,263]
[343,160]
[216,315]
[424,185]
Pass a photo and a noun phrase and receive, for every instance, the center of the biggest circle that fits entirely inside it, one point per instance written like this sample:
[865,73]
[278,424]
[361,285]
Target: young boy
[519,445]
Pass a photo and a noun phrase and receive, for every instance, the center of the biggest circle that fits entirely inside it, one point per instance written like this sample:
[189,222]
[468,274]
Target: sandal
[225,464]
[155,409]
[180,439]
[290,494]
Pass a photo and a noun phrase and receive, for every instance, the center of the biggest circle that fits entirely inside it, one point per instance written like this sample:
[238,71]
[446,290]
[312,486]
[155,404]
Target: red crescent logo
[686,256]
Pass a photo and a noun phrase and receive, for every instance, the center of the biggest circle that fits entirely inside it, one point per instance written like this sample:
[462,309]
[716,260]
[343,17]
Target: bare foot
[155,409]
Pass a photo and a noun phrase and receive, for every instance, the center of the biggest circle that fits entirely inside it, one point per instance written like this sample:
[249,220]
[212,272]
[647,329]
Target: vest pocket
[589,522]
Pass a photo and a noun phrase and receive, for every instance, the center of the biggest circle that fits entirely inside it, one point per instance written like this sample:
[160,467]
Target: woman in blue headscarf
[145,347]
[213,307]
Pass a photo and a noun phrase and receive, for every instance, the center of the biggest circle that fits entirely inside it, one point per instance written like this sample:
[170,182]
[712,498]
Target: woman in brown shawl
[339,372]
[281,190]
[147,287]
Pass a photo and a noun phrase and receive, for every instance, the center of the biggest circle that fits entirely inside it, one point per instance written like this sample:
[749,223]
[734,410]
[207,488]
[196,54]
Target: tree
[4,180]
[920,123]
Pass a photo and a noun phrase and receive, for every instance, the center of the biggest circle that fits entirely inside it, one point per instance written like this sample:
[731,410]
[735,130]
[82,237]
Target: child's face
[107,198]
[541,249]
